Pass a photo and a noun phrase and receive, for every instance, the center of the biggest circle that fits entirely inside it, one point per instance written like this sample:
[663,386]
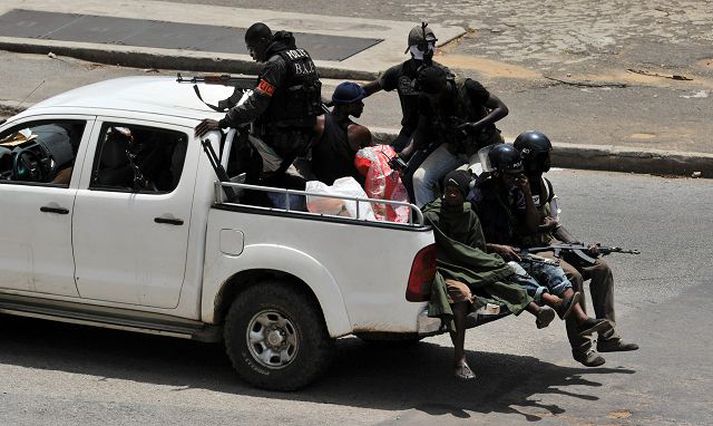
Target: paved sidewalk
[389,36]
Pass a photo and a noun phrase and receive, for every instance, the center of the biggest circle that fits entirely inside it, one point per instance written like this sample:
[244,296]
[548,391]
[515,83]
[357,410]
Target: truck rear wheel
[276,337]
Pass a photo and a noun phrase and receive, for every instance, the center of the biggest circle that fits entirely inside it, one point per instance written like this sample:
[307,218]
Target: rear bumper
[428,326]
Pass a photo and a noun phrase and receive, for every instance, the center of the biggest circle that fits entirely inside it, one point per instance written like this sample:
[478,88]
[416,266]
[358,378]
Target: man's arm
[270,79]
[419,139]
[358,136]
[254,105]
[498,111]
[232,100]
[480,95]
[251,109]
[386,81]
[372,87]
[562,234]
[238,114]
[506,252]
[423,134]
[532,216]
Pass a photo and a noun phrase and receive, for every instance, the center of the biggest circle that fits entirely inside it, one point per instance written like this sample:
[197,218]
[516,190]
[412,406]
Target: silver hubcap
[272,339]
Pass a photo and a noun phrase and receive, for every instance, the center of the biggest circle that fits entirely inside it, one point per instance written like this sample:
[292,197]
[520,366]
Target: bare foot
[464,372]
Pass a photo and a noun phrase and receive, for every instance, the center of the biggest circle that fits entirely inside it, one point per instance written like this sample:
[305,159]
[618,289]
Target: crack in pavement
[586,84]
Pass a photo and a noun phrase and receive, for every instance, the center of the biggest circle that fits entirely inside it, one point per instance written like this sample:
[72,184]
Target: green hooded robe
[461,256]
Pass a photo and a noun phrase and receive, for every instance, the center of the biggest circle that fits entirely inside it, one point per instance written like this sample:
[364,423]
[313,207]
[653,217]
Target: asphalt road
[59,374]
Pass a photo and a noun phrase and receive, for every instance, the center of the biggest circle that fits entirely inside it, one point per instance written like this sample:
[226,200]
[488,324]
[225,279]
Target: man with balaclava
[421,46]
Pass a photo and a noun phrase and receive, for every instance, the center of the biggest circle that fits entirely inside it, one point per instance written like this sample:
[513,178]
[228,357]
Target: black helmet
[504,158]
[535,150]
[420,35]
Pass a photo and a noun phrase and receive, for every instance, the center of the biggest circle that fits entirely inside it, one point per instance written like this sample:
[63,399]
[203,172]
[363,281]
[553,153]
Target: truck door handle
[58,210]
[168,221]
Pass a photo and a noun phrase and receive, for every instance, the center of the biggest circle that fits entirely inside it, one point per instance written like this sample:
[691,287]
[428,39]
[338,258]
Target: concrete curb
[168,61]
[615,159]
[360,65]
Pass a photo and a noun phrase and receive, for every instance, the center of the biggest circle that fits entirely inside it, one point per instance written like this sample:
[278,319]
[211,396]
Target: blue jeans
[428,176]
[538,278]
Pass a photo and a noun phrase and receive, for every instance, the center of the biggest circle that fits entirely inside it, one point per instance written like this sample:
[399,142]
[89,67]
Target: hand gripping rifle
[240,83]
[580,250]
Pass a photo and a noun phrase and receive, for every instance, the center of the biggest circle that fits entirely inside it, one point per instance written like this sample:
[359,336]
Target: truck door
[133,213]
[40,170]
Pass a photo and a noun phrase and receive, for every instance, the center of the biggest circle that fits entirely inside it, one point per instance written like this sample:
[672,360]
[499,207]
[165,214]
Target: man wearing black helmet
[284,105]
[421,46]
[535,148]
[503,200]
[458,117]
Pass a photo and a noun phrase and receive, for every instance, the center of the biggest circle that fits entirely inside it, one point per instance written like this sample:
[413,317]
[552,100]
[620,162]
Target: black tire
[308,347]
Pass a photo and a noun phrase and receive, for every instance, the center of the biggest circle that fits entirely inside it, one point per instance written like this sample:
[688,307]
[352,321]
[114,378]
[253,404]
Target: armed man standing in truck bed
[283,107]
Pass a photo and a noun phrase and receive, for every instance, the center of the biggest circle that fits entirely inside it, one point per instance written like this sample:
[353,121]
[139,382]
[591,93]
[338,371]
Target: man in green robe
[467,276]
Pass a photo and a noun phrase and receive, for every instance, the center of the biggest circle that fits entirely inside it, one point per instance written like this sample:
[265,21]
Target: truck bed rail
[415,214]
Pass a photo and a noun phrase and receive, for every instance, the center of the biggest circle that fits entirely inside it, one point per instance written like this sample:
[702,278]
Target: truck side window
[40,152]
[131,158]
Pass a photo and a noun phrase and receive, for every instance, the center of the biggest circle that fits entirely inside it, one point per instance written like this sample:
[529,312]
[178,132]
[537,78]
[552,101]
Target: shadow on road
[363,375]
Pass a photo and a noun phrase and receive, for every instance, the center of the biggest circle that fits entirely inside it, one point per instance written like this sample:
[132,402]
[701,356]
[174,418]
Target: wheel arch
[289,266]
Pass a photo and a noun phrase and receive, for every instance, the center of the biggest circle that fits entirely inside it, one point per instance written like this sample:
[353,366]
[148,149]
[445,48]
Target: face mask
[417,54]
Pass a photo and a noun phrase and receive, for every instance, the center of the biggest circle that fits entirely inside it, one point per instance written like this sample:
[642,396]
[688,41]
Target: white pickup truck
[112,216]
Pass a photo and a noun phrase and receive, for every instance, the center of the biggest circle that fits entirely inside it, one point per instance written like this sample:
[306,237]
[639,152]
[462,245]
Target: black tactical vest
[298,100]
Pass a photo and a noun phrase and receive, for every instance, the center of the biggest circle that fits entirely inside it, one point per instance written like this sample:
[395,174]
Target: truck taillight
[423,270]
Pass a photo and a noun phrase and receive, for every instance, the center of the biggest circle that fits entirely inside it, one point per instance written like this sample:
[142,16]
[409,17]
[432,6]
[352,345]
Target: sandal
[568,305]
[463,372]
[544,317]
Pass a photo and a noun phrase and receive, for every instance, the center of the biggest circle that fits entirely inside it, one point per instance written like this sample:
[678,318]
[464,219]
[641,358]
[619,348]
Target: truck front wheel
[276,338]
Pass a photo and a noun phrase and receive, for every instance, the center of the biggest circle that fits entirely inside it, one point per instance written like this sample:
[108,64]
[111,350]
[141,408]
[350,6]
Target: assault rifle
[223,80]
[580,250]
[240,83]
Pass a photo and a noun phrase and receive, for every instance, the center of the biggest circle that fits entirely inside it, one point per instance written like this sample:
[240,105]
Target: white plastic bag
[344,187]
